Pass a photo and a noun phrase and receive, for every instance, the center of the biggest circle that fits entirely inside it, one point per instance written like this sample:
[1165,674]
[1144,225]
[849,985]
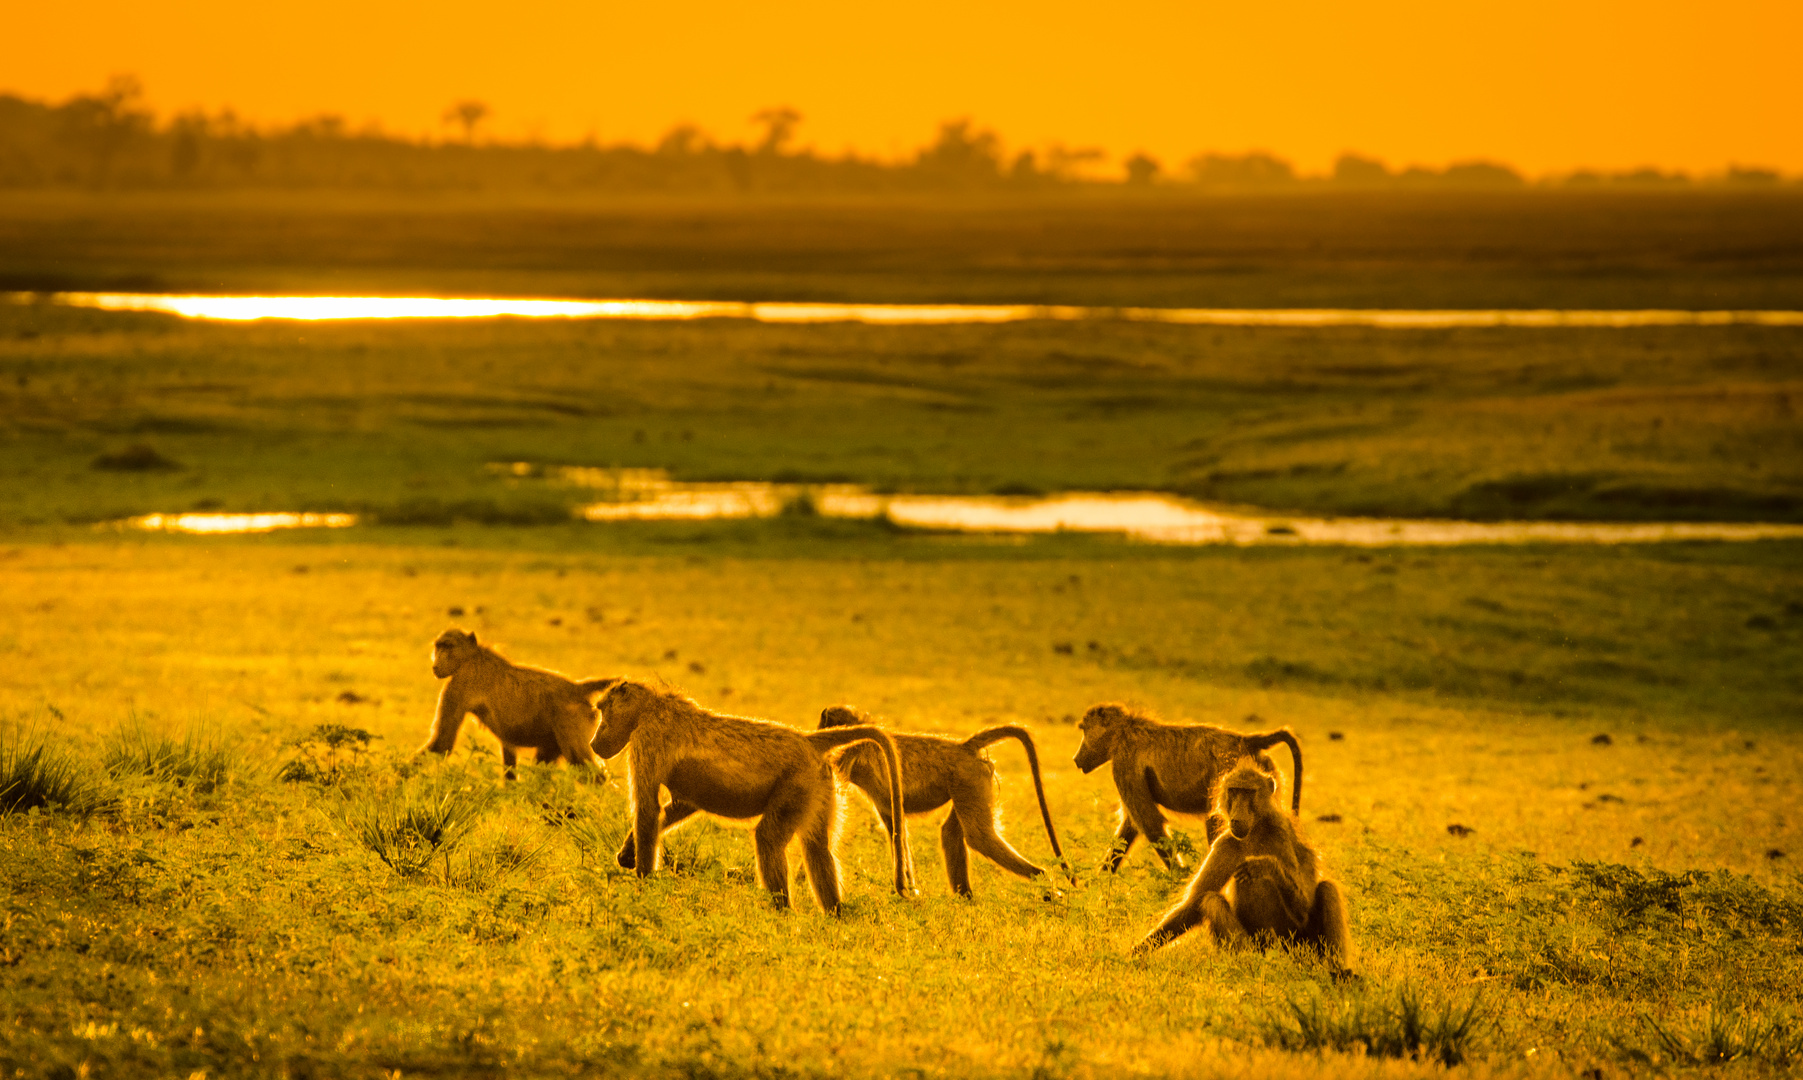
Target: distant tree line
[109,139]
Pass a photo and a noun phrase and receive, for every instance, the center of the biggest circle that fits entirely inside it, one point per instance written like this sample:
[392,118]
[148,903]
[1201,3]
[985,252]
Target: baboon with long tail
[739,768]
[1169,765]
[526,708]
[939,770]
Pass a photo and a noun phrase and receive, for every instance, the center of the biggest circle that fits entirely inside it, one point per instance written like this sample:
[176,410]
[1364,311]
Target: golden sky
[1546,85]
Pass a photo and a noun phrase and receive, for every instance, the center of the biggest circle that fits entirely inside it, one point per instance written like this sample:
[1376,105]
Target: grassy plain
[1614,906]
[402,420]
[1160,248]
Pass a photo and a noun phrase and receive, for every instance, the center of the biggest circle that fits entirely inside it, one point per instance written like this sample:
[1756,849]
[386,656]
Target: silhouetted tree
[1257,169]
[779,127]
[467,113]
[681,141]
[103,123]
[1141,170]
[962,155]
[1356,169]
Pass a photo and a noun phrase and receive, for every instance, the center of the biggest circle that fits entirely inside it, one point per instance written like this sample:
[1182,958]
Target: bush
[200,763]
[1407,1028]
[34,775]
[327,755]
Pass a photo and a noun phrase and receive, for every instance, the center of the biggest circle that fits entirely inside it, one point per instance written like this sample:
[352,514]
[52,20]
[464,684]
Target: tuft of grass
[1405,1026]
[415,827]
[198,761]
[37,776]
[1730,1034]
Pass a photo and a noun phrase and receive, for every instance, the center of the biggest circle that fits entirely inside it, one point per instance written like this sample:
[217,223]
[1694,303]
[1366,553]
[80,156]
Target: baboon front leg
[957,860]
[508,760]
[980,833]
[646,827]
[673,815]
[1179,921]
[1139,808]
[1329,930]
[573,732]
[447,721]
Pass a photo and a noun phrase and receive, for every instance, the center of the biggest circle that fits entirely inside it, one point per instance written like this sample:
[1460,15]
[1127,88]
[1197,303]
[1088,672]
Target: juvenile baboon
[739,768]
[938,770]
[1169,765]
[1260,881]
[526,708]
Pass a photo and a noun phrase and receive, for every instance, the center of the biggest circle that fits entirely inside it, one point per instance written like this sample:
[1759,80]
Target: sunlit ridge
[313,308]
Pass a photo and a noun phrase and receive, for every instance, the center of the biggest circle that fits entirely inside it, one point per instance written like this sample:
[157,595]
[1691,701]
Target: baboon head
[841,716]
[1098,726]
[1243,794]
[451,649]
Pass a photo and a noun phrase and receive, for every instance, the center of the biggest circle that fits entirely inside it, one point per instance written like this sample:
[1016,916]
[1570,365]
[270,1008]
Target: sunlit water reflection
[244,308]
[646,495]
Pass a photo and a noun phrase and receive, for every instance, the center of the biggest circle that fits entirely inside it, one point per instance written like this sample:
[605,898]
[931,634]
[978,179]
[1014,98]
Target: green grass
[401,422]
[1608,905]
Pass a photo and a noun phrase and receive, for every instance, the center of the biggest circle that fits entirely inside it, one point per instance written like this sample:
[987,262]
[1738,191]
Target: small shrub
[197,762]
[327,755]
[416,827]
[511,853]
[1405,1028]
[35,775]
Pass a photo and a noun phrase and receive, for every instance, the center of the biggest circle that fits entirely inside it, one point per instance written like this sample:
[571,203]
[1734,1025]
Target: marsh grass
[1397,1022]
[199,761]
[36,774]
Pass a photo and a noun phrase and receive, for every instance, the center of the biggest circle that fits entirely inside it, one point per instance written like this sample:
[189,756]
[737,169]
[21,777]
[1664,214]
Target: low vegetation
[1586,865]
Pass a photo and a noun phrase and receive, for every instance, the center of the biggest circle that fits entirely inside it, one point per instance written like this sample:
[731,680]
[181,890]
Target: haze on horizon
[1544,86]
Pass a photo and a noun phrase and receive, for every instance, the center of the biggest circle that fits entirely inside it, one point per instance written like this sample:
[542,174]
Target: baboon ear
[472,637]
[1270,785]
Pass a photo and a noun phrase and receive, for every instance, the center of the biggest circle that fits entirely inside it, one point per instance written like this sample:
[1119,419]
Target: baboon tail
[1270,739]
[832,738]
[1010,731]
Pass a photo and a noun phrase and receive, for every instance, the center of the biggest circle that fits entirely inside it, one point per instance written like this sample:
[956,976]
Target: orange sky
[1546,85]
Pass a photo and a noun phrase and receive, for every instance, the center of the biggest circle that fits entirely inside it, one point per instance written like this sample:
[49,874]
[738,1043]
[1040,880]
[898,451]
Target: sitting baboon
[1169,765]
[526,708]
[739,768]
[938,770]
[1260,882]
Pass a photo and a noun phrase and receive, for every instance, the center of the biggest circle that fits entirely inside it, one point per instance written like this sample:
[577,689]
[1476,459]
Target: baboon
[738,768]
[1169,765]
[1260,882]
[526,708]
[938,770]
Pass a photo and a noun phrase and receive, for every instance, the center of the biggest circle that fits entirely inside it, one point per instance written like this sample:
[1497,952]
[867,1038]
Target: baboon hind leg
[782,817]
[957,860]
[673,815]
[508,760]
[1265,898]
[980,833]
[823,866]
[1328,928]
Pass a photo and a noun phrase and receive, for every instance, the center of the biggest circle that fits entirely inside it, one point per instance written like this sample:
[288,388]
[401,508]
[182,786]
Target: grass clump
[1405,1026]
[1728,1034]
[37,776]
[416,827]
[199,762]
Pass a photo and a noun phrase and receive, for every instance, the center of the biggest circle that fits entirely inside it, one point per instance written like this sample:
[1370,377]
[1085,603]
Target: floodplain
[1557,781]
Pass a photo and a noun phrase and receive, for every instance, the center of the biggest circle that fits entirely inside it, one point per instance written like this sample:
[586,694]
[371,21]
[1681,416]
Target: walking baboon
[938,770]
[526,708]
[1260,881]
[739,768]
[1169,765]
